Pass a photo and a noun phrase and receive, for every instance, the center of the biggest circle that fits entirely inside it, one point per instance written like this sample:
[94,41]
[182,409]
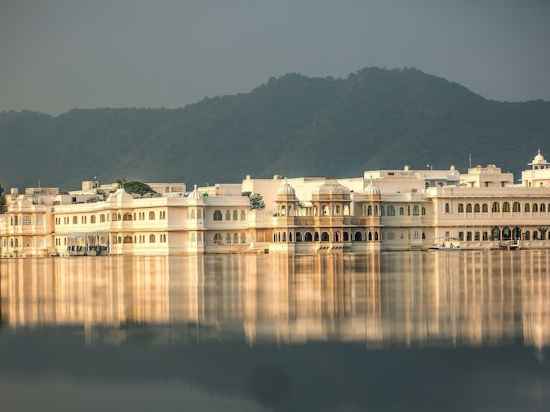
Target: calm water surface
[426,331]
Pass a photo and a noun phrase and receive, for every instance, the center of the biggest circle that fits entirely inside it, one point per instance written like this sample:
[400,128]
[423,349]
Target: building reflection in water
[410,298]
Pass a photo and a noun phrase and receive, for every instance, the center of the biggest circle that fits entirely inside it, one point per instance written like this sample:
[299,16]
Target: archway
[495,233]
[506,233]
[308,237]
[324,237]
[358,237]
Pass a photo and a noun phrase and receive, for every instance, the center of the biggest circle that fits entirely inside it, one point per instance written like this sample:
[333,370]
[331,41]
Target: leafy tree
[256,201]
[138,188]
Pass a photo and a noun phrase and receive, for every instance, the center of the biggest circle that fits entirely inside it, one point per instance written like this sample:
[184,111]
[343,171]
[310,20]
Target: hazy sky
[60,54]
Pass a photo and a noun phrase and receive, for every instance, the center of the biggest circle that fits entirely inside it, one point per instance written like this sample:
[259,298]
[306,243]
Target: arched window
[535,208]
[460,208]
[535,235]
[542,208]
[477,209]
[423,211]
[345,237]
[375,235]
[92,219]
[284,237]
[316,237]
[152,239]
[336,237]
[235,238]
[375,210]
[128,239]
[326,211]
[469,236]
[370,236]
[496,207]
[324,237]
[447,208]
[151,215]
[337,210]
[495,233]
[358,237]
[506,207]
[228,238]
[127,217]
[218,238]
[290,236]
[391,210]
[243,237]
[416,210]
[298,236]
[382,211]
[308,237]
[527,235]
[469,208]
[218,215]
[516,207]
[401,211]
[369,210]
[235,215]
[227,215]
[243,215]
[526,208]
[102,218]
[484,208]
[485,236]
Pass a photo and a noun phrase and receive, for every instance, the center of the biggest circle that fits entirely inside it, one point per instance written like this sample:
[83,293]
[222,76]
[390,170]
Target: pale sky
[61,54]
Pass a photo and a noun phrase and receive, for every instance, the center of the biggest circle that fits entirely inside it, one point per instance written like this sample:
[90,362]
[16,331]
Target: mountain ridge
[291,124]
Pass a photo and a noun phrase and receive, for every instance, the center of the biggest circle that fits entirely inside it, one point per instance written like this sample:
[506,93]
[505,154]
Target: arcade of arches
[327,236]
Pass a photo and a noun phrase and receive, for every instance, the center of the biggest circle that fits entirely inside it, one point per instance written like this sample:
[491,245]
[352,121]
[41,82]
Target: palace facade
[381,210]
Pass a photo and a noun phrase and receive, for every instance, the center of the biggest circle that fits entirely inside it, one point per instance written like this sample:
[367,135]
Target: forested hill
[291,125]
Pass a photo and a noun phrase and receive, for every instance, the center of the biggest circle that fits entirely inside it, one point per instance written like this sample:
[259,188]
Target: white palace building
[381,210]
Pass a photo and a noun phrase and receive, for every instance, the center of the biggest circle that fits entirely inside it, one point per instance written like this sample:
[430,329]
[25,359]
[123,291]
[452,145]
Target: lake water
[425,331]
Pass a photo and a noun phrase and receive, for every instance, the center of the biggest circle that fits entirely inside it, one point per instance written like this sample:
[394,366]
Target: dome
[286,190]
[538,159]
[332,187]
[371,189]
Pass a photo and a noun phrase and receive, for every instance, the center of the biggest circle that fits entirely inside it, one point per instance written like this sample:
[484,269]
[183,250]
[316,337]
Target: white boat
[448,244]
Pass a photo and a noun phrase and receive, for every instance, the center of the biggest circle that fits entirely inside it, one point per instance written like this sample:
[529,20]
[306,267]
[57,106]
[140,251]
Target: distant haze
[60,54]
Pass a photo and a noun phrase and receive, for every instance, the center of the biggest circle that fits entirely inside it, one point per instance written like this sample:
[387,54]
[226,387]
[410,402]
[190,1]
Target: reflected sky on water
[423,331]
